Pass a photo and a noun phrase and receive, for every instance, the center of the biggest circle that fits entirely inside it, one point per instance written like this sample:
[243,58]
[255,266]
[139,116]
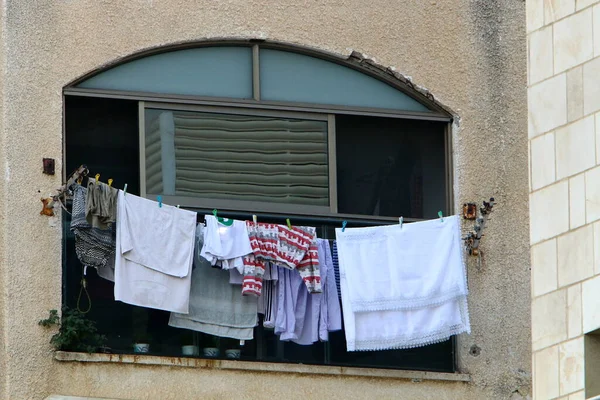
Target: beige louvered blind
[237,157]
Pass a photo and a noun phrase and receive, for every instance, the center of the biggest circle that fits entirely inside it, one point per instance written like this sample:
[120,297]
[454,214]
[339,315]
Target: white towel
[403,329]
[402,286]
[154,252]
[402,267]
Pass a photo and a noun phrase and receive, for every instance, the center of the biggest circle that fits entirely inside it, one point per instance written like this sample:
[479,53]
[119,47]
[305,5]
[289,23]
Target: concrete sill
[232,365]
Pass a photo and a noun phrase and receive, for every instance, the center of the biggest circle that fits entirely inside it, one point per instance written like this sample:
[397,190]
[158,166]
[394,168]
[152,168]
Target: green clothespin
[221,220]
[441,216]
[289,224]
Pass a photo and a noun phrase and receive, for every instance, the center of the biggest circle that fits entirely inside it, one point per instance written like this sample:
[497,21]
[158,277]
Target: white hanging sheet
[402,286]
[154,251]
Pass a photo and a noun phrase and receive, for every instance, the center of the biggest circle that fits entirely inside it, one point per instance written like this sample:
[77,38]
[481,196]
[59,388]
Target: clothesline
[401,286]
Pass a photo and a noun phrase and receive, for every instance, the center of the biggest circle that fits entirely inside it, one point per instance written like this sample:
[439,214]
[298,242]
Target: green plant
[75,331]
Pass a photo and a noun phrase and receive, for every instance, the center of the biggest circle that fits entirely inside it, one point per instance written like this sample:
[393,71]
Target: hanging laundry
[235,278]
[336,268]
[267,302]
[154,253]
[293,248]
[402,286]
[307,318]
[94,247]
[101,204]
[225,245]
[216,307]
[330,316]
[291,305]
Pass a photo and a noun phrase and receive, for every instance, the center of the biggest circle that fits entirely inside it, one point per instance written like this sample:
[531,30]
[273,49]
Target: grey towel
[216,307]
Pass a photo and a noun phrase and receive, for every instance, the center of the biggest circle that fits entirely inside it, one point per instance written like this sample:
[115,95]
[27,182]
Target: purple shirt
[306,318]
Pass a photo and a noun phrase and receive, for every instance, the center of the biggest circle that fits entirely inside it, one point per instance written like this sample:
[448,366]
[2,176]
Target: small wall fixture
[473,238]
[48,166]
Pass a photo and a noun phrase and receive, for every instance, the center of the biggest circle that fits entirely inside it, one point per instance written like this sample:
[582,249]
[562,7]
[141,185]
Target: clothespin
[110,181]
[344,223]
[254,218]
[79,180]
[242,342]
[97,177]
[401,221]
[159,199]
[221,220]
[125,190]
[177,205]
[289,224]
[441,216]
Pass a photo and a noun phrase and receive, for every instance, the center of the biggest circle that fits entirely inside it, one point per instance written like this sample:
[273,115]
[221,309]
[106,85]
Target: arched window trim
[354,61]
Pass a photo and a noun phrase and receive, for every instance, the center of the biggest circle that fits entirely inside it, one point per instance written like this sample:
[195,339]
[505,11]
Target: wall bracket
[473,238]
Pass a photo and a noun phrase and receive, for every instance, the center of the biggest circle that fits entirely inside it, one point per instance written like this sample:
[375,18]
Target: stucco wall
[470,54]
[564,132]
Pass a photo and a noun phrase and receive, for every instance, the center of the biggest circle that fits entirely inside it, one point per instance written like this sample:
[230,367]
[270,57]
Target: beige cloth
[100,205]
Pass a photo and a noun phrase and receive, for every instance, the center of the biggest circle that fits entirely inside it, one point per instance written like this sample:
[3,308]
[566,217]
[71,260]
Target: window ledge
[256,366]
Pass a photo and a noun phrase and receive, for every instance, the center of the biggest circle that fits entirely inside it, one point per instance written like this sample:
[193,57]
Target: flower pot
[141,347]
[210,352]
[233,354]
[190,350]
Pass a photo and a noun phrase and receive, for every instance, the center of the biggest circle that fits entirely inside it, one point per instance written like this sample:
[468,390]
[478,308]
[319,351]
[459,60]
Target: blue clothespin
[401,221]
[441,216]
[125,190]
[159,199]
[344,223]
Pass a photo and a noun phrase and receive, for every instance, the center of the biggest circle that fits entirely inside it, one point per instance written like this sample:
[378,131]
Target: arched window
[264,129]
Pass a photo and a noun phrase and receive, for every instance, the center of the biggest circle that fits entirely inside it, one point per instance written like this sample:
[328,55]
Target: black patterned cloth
[94,247]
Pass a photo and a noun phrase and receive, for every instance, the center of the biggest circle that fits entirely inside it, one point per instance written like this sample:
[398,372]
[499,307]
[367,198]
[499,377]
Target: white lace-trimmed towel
[154,252]
[402,286]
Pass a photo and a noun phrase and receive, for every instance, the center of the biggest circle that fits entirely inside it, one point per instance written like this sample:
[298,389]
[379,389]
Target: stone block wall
[564,133]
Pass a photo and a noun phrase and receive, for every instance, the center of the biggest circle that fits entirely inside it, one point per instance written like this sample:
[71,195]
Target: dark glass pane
[390,167]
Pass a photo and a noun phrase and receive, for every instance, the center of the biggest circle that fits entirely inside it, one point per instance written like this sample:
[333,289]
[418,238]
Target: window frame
[272,108]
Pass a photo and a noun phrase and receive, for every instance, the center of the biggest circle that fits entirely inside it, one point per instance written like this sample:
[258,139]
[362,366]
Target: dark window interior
[103,134]
[390,167]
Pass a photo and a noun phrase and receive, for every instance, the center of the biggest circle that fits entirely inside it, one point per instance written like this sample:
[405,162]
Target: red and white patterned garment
[293,248]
